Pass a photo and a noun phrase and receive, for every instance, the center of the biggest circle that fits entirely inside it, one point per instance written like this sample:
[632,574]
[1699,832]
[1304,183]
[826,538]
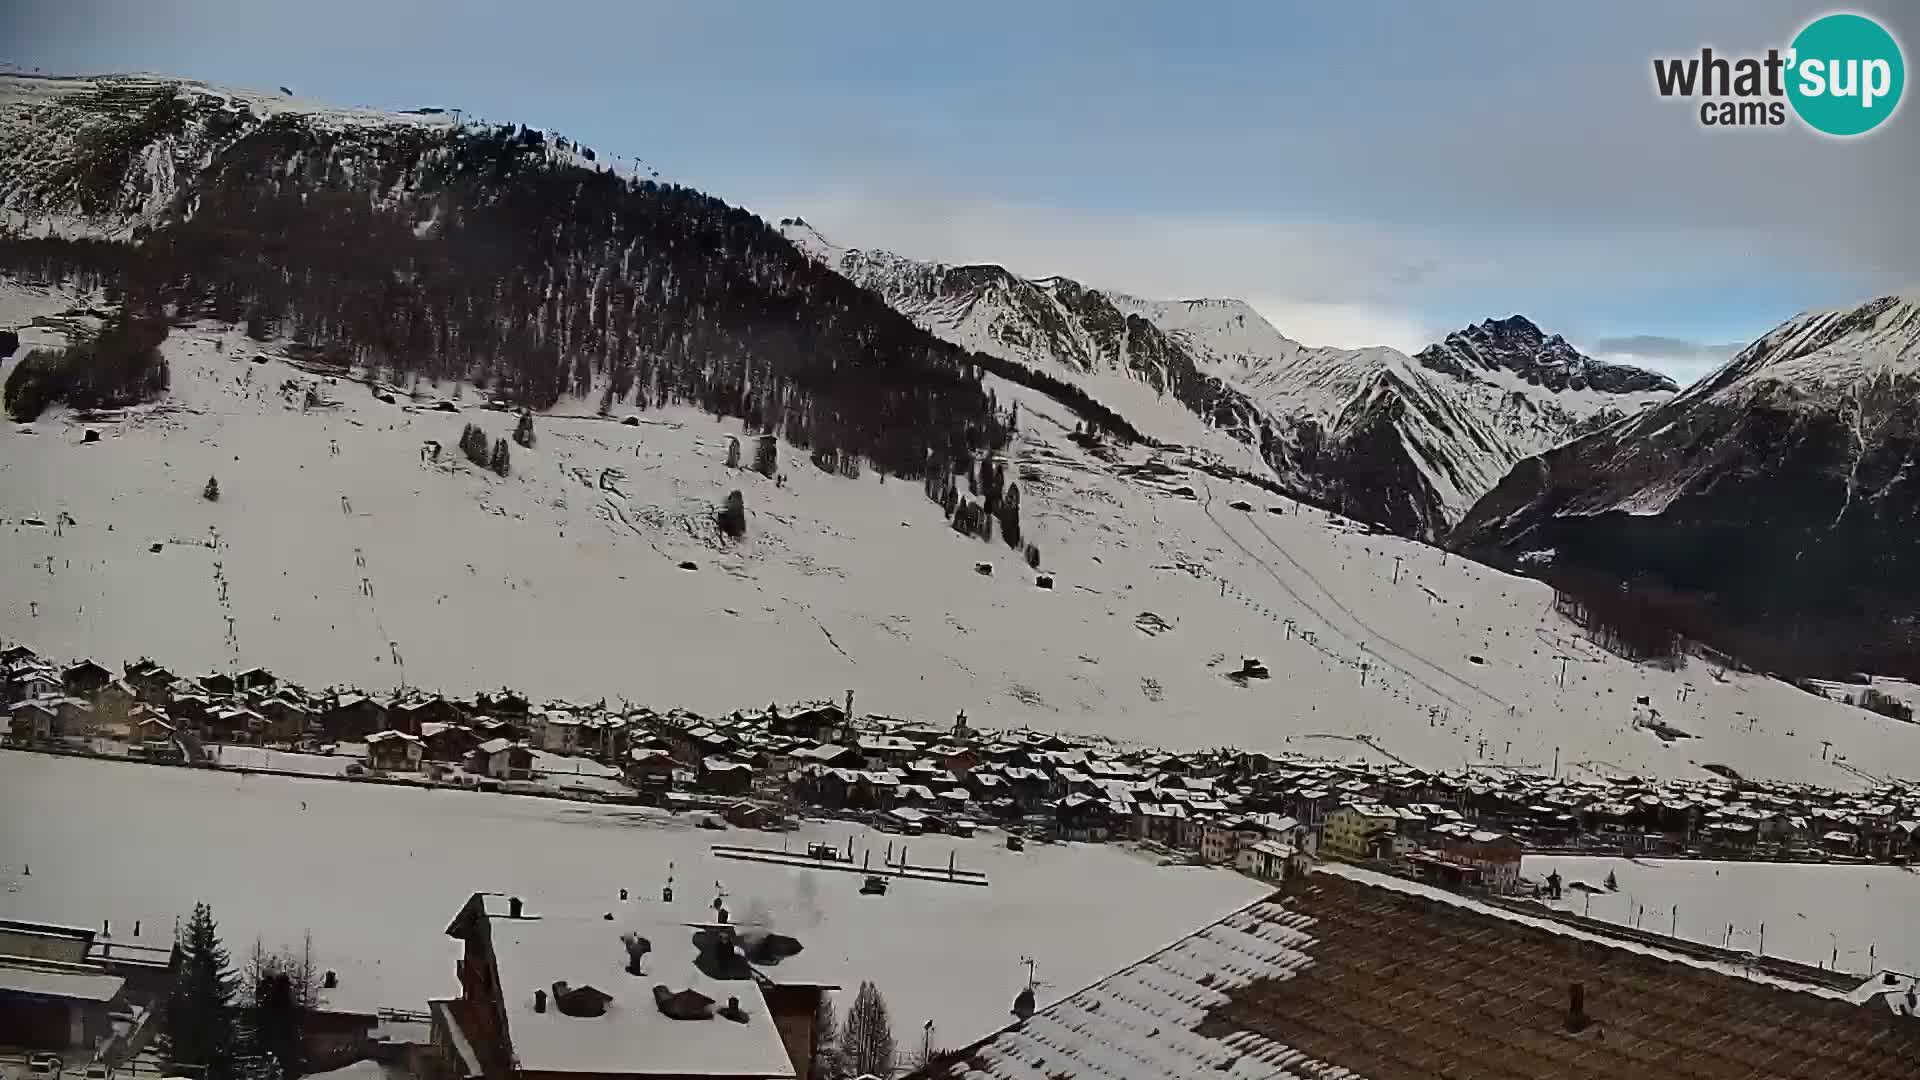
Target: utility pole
[1396,569]
[1556,761]
[1563,673]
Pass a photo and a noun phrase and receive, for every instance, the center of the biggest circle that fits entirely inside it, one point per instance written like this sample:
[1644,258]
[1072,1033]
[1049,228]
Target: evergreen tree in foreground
[211,492]
[867,1044]
[198,1026]
[523,431]
[499,462]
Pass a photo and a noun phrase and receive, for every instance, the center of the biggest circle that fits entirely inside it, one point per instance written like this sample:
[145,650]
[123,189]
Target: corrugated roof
[1353,977]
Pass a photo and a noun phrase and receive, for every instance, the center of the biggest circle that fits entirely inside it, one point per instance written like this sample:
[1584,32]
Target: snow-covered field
[376,873]
[1867,916]
[339,553]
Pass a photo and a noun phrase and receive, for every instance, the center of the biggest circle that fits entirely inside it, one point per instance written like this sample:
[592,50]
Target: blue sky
[1361,172]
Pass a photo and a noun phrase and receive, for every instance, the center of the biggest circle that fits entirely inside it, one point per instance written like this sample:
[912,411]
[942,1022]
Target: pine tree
[198,1028]
[1613,883]
[499,462]
[868,1041]
[829,1063]
[523,431]
[766,456]
[732,516]
[473,443]
[1033,556]
[733,452]
[211,492]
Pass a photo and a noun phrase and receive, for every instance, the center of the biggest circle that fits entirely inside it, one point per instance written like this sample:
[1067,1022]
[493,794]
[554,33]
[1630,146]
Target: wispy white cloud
[1348,326]
[1684,361]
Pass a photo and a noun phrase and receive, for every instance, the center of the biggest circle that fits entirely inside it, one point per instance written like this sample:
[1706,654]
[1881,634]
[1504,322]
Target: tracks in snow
[1372,633]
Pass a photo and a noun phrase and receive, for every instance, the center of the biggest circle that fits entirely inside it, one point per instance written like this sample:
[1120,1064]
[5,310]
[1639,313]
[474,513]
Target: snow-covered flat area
[377,872]
[1868,915]
[340,552]
[260,757]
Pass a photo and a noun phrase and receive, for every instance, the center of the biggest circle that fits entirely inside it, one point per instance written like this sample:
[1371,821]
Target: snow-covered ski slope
[340,553]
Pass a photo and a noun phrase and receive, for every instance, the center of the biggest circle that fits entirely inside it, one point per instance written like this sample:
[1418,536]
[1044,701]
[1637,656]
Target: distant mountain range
[1781,494]
[1775,499]
[1406,442]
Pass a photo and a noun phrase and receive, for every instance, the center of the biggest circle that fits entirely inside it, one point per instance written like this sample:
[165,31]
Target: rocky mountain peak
[1515,344]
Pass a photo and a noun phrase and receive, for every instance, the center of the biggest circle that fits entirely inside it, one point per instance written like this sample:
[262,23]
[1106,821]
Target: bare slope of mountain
[1407,442]
[1778,497]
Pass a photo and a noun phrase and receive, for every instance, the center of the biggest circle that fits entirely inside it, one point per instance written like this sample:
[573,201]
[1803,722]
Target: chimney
[623,894]
[1577,1018]
[637,949]
[734,1012]
[513,907]
[539,1001]
[329,980]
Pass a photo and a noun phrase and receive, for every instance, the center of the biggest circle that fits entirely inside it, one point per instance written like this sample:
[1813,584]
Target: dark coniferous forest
[482,254]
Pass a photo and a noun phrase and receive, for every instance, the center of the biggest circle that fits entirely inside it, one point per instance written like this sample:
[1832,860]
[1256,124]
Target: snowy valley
[342,552]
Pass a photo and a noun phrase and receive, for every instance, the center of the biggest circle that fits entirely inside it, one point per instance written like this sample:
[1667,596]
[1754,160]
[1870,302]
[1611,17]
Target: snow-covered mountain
[105,155]
[1783,491]
[1408,442]
[343,549]
[1094,340]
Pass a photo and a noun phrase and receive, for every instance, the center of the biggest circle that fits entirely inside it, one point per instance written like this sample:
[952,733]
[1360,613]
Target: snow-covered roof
[1355,975]
[73,985]
[389,736]
[633,1037]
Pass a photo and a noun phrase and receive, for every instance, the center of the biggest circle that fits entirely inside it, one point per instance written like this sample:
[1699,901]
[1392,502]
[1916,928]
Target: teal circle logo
[1846,75]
